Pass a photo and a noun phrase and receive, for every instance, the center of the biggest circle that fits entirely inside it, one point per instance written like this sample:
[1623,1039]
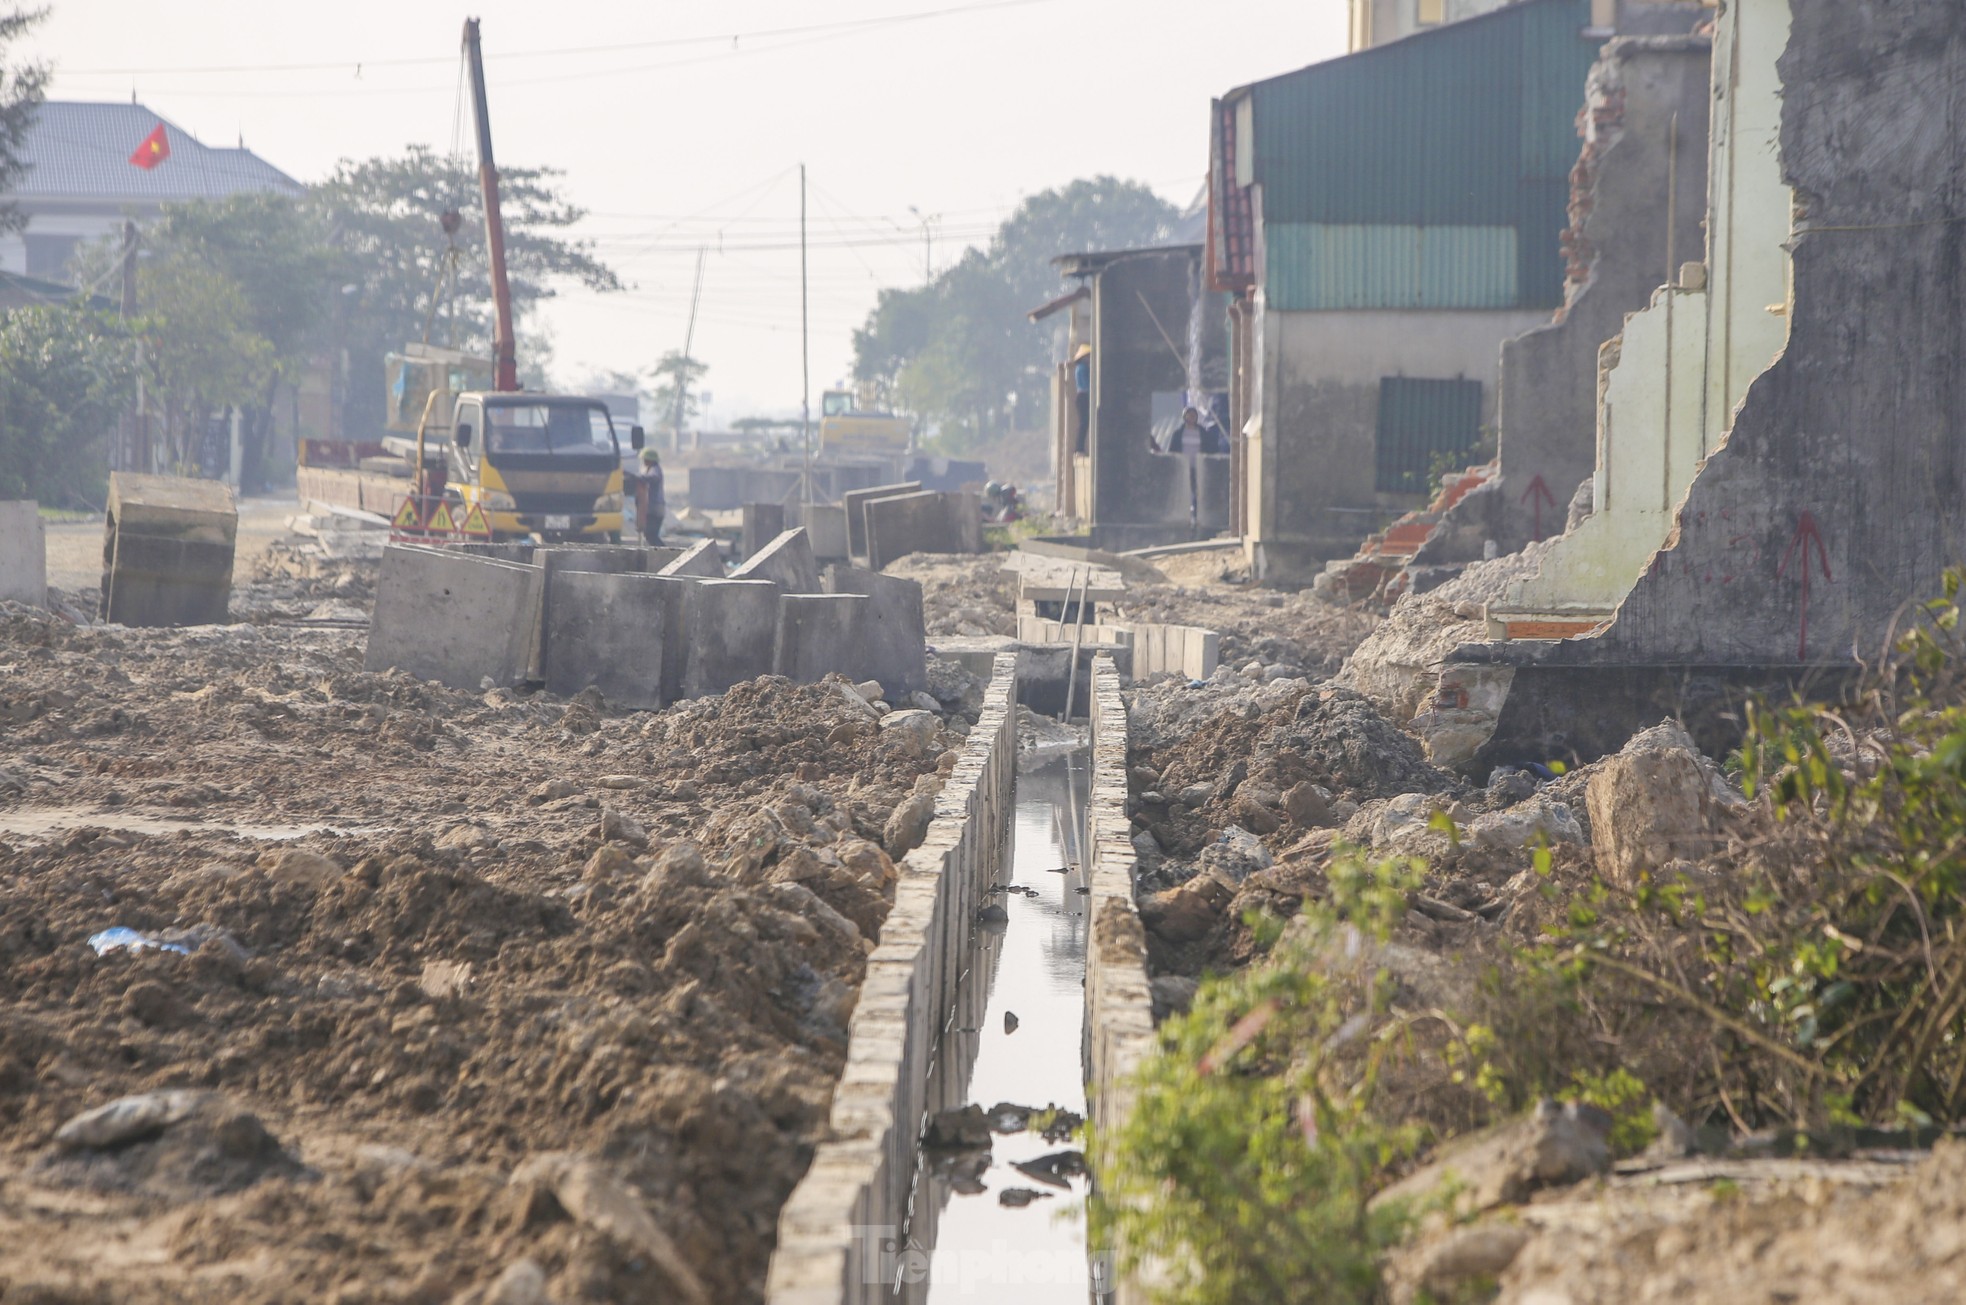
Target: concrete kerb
[1119,1001]
[23,554]
[829,1240]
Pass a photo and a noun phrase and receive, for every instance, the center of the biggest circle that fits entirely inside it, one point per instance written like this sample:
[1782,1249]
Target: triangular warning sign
[440,520]
[475,523]
[405,518]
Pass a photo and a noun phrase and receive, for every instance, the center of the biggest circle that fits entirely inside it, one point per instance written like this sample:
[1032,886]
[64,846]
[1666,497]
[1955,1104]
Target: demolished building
[1778,472]
[1385,220]
[1150,339]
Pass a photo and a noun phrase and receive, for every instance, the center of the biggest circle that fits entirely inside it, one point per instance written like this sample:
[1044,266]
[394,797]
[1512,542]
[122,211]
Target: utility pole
[682,372]
[135,444]
[928,245]
[805,353]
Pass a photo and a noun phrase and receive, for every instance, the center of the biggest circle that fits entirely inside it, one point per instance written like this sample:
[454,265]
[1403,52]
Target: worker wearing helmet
[651,505]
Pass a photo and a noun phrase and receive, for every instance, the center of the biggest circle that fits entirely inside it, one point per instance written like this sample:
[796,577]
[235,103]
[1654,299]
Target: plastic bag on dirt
[122,938]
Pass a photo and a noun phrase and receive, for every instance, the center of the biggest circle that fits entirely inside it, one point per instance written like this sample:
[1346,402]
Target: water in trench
[969,1245]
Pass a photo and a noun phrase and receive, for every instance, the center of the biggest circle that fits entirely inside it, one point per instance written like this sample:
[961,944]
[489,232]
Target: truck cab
[544,466]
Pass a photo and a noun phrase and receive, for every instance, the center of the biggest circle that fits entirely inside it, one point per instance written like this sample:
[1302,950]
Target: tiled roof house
[80,184]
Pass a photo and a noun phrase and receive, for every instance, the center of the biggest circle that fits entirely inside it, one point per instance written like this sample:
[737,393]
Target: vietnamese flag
[155,149]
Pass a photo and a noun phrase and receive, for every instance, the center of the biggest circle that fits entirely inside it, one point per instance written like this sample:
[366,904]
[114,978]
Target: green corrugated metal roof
[1337,266]
[1470,125]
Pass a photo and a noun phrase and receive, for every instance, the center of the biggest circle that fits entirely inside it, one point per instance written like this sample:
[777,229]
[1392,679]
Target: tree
[382,215]
[676,376]
[200,355]
[959,351]
[66,376]
[22,88]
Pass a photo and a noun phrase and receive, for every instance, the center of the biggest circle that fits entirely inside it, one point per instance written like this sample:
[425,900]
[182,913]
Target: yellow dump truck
[847,428]
[544,466]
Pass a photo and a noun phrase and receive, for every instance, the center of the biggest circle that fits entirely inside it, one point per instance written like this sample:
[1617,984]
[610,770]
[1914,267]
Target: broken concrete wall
[23,554]
[1839,496]
[1638,206]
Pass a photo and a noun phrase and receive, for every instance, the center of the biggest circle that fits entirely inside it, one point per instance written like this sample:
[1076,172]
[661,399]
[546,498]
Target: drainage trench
[978,1223]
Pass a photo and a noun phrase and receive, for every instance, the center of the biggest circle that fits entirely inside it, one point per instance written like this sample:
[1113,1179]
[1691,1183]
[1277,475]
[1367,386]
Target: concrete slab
[787,561]
[23,553]
[167,551]
[557,560]
[856,519]
[827,527]
[927,522]
[819,633]
[452,617]
[732,632]
[894,641]
[700,559]
[763,522]
[654,559]
[608,631]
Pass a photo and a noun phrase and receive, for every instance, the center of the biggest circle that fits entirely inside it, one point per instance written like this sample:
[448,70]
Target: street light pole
[928,245]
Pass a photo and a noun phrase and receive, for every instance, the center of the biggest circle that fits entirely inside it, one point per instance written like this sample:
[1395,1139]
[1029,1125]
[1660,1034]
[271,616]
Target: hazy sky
[672,135]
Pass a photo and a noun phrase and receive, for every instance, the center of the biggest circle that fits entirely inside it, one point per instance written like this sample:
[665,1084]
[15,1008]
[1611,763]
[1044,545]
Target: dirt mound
[493,927]
[969,595]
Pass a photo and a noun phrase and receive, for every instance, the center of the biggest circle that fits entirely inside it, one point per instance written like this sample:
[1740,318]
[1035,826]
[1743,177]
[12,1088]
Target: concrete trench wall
[838,1230]
[1157,648]
[1119,1017]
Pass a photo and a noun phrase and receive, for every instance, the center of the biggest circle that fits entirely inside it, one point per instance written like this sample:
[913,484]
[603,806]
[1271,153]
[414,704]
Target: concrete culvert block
[732,627]
[818,634]
[700,560]
[787,561]
[452,617]
[167,551]
[608,632]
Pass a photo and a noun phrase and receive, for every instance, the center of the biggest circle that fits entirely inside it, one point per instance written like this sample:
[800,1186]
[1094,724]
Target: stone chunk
[1656,801]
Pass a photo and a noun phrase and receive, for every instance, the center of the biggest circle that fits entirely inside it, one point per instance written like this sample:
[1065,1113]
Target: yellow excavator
[846,427]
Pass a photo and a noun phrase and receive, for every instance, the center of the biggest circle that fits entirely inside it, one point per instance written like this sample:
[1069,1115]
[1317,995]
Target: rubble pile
[324,984]
[968,595]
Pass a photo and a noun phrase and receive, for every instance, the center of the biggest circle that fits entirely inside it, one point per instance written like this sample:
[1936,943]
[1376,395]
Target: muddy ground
[461,996]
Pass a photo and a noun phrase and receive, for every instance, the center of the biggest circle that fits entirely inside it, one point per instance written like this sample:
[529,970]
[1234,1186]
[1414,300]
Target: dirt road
[441,989]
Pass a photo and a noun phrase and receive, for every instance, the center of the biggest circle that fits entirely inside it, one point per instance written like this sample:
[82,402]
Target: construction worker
[651,505]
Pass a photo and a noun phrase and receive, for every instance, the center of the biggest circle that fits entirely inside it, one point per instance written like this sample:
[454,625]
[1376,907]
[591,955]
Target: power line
[734,38]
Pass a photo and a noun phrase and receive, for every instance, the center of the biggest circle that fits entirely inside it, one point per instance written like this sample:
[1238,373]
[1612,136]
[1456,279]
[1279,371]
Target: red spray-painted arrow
[1807,535]
[1536,496]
